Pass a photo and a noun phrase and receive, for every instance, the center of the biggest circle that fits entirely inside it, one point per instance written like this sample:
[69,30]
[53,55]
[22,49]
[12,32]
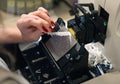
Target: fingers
[42,13]
[45,18]
[44,10]
[32,21]
[35,23]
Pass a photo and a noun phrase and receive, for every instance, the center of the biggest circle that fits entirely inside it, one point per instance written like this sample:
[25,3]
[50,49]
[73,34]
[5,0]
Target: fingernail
[45,29]
[52,23]
[51,29]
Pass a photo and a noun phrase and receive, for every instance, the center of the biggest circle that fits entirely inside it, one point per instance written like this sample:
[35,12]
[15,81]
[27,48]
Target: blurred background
[10,10]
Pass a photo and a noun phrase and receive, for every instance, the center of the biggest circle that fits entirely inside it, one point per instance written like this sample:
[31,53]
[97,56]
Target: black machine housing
[90,26]
[42,67]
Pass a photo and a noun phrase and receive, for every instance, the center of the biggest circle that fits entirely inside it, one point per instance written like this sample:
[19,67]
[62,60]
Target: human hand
[34,24]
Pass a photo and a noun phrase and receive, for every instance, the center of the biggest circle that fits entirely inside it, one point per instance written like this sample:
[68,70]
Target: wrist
[10,35]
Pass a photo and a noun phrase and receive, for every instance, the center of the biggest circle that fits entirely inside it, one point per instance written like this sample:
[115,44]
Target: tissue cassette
[57,59]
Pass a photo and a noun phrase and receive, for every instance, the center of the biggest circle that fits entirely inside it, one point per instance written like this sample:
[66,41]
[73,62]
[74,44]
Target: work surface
[109,78]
